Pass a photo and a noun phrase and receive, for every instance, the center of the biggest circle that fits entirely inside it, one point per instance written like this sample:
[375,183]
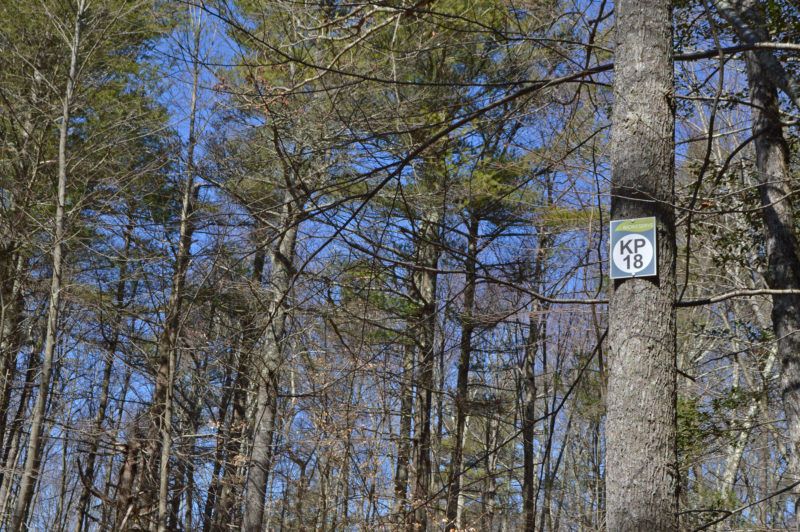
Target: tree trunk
[489,491]
[641,457]
[13,438]
[161,405]
[30,472]
[404,435]
[425,280]
[100,415]
[282,260]
[462,384]
[528,420]
[783,254]
[11,320]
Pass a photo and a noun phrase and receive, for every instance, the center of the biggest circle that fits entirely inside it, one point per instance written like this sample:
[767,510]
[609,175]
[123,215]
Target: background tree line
[296,265]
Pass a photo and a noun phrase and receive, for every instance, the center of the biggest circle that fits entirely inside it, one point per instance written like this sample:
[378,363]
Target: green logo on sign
[637,226]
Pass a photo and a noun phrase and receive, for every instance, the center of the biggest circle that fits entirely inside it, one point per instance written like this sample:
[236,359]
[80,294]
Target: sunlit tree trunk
[31,468]
[462,384]
[641,456]
[281,256]
[428,252]
[105,384]
[401,474]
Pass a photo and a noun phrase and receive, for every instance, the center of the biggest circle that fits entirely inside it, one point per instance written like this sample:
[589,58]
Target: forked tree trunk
[282,260]
[641,457]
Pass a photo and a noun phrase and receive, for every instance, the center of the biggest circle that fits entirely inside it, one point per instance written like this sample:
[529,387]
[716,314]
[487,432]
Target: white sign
[633,248]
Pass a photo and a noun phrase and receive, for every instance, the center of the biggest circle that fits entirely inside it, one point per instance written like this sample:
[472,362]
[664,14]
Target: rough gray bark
[783,253]
[489,491]
[528,420]
[11,323]
[30,472]
[641,459]
[282,260]
[537,333]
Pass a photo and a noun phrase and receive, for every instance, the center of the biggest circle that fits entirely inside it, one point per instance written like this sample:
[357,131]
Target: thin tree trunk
[459,520]
[641,453]
[161,405]
[14,437]
[490,483]
[537,332]
[230,485]
[100,416]
[528,420]
[462,383]
[11,319]
[30,472]
[428,259]
[223,436]
[404,435]
[120,487]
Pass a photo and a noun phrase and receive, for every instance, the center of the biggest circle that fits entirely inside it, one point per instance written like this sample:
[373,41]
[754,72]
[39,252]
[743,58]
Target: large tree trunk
[783,254]
[30,472]
[641,458]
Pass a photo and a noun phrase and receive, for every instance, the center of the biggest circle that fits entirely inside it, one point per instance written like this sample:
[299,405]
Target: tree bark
[428,251]
[282,260]
[401,473]
[783,254]
[462,383]
[528,419]
[641,457]
[30,472]
[11,320]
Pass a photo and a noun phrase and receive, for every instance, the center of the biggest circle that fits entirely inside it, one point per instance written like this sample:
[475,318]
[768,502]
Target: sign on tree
[633,248]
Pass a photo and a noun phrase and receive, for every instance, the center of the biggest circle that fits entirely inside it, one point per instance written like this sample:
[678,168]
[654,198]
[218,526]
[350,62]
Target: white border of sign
[650,235]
